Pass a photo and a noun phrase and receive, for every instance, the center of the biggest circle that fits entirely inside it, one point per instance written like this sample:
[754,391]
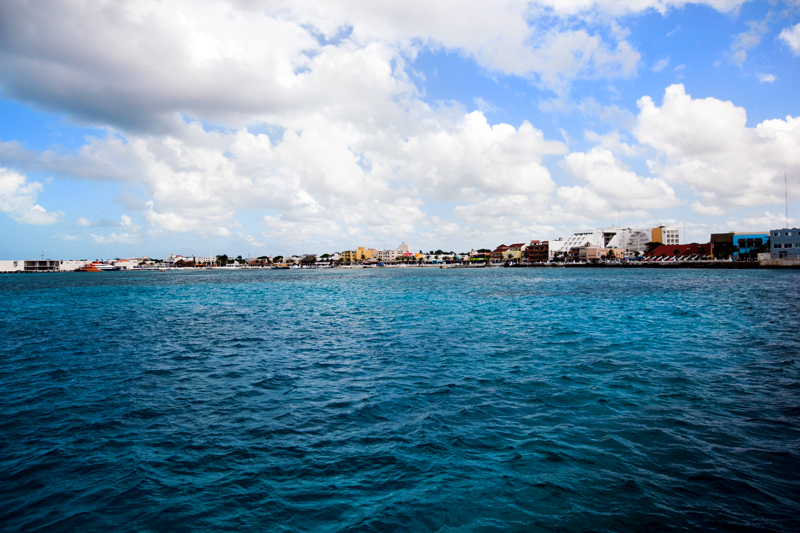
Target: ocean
[401,400]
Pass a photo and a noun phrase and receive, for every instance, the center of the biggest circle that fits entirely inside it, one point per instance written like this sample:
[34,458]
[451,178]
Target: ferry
[98,267]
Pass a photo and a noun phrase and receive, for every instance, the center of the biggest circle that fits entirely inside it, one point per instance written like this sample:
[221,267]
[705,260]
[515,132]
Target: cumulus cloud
[791,38]
[18,199]
[767,78]
[610,186]
[706,144]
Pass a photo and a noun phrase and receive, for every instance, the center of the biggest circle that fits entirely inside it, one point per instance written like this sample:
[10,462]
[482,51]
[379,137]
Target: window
[786,233]
[776,245]
[775,234]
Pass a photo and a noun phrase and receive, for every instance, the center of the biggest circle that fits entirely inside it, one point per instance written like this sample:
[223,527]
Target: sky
[265,127]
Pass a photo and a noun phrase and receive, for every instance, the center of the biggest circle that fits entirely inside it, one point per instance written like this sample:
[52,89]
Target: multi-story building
[666,235]
[387,256]
[749,244]
[512,252]
[359,254]
[785,243]
[629,239]
[538,251]
[403,249]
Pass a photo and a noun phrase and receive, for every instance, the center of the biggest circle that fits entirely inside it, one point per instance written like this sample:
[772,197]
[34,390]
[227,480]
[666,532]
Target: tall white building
[629,239]
[403,249]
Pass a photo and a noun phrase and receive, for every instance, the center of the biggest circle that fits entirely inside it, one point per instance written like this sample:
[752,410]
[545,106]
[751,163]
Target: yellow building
[360,254]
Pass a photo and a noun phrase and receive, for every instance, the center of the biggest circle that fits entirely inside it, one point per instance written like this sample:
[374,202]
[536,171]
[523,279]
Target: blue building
[746,243]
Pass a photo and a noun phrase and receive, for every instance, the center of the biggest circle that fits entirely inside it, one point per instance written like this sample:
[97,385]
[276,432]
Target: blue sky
[145,128]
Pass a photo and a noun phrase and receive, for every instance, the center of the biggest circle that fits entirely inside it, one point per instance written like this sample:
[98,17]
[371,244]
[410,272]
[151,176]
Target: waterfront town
[604,246]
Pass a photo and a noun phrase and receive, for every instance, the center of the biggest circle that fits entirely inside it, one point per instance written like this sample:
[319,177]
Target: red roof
[685,249]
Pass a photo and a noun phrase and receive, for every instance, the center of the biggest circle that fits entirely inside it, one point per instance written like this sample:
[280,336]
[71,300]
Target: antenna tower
[786,198]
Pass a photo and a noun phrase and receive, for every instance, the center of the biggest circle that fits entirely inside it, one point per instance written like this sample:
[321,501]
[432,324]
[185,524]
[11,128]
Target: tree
[222,260]
[611,255]
[239,259]
[484,251]
[676,252]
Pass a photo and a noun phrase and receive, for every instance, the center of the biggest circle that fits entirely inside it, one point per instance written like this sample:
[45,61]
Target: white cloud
[763,221]
[706,144]
[767,78]
[66,237]
[710,210]
[18,199]
[113,238]
[611,186]
[745,41]
[660,65]
[791,38]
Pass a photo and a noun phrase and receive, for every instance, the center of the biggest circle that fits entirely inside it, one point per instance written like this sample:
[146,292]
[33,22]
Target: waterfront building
[511,252]
[359,254]
[698,251]
[71,265]
[8,266]
[666,235]
[35,265]
[538,251]
[592,254]
[403,249]
[785,243]
[387,256]
[631,240]
[747,245]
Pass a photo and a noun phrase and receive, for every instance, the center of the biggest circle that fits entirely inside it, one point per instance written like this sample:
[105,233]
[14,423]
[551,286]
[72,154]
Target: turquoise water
[400,400]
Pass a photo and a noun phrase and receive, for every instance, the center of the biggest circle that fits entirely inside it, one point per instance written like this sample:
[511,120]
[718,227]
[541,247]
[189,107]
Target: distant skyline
[282,127]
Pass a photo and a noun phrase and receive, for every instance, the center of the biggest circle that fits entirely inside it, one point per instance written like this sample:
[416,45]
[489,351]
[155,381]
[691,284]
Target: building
[538,251]
[592,254]
[666,235]
[11,266]
[404,249]
[785,243]
[721,245]
[387,256]
[684,250]
[512,252]
[71,265]
[359,254]
[749,245]
[631,240]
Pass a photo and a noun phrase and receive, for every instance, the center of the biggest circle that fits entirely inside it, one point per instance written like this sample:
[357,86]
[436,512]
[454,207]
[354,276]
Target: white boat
[105,267]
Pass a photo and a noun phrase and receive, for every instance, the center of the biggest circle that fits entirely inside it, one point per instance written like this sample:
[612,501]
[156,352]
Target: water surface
[400,400]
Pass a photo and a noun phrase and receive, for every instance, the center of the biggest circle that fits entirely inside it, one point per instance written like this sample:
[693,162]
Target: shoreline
[774,264]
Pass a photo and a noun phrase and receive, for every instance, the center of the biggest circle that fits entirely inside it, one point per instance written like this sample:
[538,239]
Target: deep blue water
[400,400]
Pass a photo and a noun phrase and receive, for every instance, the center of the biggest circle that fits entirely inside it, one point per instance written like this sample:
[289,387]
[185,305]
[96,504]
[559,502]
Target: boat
[98,267]
[105,267]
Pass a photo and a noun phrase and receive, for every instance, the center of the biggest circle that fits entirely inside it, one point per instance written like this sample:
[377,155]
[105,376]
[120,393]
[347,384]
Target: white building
[403,249]
[387,256]
[71,265]
[12,266]
[629,239]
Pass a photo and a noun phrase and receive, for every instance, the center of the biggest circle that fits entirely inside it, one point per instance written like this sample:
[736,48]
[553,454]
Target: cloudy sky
[265,127]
